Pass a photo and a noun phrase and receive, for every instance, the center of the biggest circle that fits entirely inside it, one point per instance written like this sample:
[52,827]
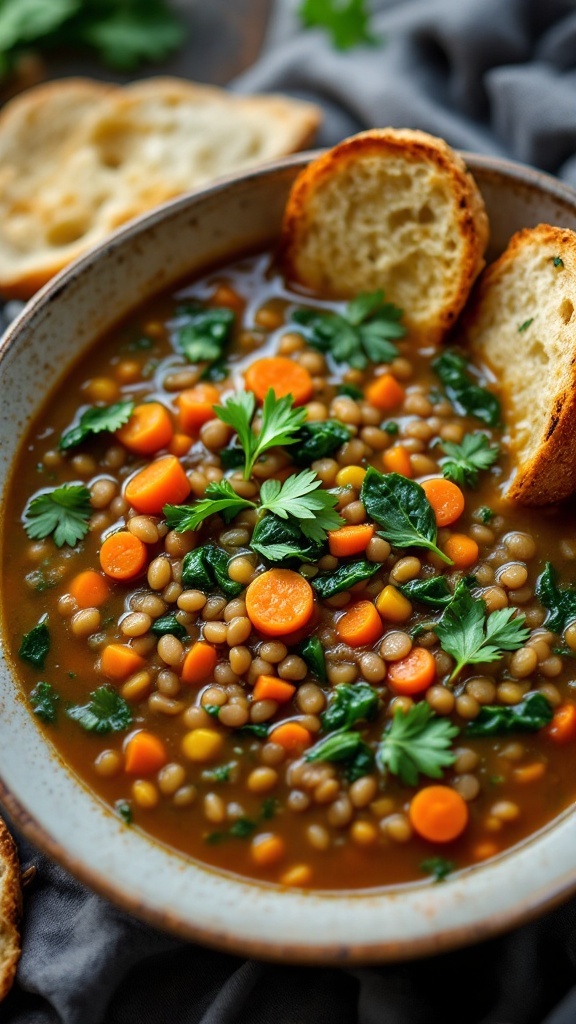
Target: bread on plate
[10,910]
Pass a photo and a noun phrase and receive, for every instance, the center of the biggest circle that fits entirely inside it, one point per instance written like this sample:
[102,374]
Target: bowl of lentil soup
[248,723]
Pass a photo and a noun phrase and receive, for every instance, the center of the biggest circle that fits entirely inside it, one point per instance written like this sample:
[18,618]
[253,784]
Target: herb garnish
[531,714]
[124,811]
[221,773]
[347,747]
[471,636]
[557,261]
[350,704]
[560,601]
[35,645]
[64,512]
[362,334]
[205,334]
[318,440]
[313,654]
[106,711]
[96,420]
[279,426]
[485,514]
[417,742]
[524,327]
[465,395]
[44,701]
[467,459]
[401,507]
[347,21]
[438,867]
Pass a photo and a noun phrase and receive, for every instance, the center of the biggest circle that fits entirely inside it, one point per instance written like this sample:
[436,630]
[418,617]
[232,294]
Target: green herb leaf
[168,625]
[347,21]
[259,729]
[485,514]
[221,773]
[232,457]
[434,592]
[106,711]
[206,332]
[559,601]
[95,420]
[280,423]
[349,704]
[220,498]
[63,512]
[401,507]
[344,577]
[417,742]
[318,440]
[531,714]
[344,747]
[467,459]
[466,396]
[35,645]
[524,327]
[472,637]
[438,867]
[351,391]
[126,36]
[44,701]
[243,828]
[302,498]
[363,333]
[124,811]
[281,540]
[206,568]
[557,261]
[313,654]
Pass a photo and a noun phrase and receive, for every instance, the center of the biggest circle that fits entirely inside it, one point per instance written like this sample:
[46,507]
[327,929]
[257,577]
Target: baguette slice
[78,159]
[10,910]
[392,209]
[522,324]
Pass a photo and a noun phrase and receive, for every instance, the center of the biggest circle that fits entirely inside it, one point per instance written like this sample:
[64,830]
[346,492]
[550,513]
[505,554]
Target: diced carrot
[89,589]
[350,540]
[180,445]
[279,601]
[118,661]
[438,814]
[123,556]
[484,850]
[224,295]
[148,430]
[397,460]
[267,849]
[385,393]
[463,550]
[446,499]
[281,375]
[144,754]
[360,625]
[392,605]
[412,674]
[291,735]
[199,663]
[271,688]
[163,482]
[528,773]
[196,407]
[562,728]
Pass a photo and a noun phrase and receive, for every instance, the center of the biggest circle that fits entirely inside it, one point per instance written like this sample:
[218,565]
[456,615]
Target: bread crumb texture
[10,910]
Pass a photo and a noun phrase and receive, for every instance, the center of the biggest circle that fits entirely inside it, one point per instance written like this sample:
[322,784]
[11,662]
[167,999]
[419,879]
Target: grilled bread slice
[10,910]
[522,324]
[392,209]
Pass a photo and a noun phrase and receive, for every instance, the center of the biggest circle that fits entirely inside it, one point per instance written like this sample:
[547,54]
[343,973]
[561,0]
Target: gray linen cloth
[496,76]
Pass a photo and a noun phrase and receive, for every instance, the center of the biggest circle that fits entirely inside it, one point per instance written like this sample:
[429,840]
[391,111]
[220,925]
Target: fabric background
[496,76]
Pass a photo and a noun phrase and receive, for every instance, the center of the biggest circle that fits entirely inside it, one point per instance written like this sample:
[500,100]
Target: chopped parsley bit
[391,427]
[211,709]
[524,327]
[106,711]
[204,335]
[35,645]
[63,512]
[221,773]
[351,391]
[269,808]
[346,21]
[464,394]
[438,867]
[485,514]
[417,742]
[361,335]
[39,580]
[96,420]
[557,261]
[44,701]
[471,636]
[497,780]
[124,811]
[465,460]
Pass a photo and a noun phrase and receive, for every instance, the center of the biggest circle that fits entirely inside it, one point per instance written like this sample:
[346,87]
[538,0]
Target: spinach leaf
[106,711]
[472,636]
[316,440]
[279,539]
[346,747]
[313,653]
[204,335]
[344,577]
[44,701]
[206,568]
[466,396]
[402,508]
[560,601]
[434,592]
[168,624]
[218,561]
[35,645]
[259,729]
[350,704]
[531,714]
[195,572]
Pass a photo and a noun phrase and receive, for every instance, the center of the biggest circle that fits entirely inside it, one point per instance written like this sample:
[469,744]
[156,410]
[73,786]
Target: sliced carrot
[90,589]
[180,444]
[148,430]
[271,688]
[385,393]
[291,736]
[397,460]
[463,550]
[163,482]
[199,663]
[528,773]
[144,754]
[282,376]
[360,626]
[196,407]
[350,540]
[118,661]
[123,556]
[438,814]
[484,850]
[279,601]
[562,728]
[413,673]
[446,499]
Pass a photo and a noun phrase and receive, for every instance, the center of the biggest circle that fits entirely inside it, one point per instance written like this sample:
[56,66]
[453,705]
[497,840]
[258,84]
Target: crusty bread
[78,159]
[392,209]
[10,910]
[522,324]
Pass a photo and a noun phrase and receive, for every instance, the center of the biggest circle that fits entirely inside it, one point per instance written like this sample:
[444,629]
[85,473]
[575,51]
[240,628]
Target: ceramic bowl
[70,823]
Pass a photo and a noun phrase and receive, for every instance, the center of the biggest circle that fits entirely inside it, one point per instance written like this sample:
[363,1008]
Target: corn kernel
[101,389]
[202,744]
[351,476]
[392,605]
[145,794]
[363,833]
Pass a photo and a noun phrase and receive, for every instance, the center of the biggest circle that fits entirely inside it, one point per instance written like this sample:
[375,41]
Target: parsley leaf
[559,601]
[466,396]
[35,645]
[124,811]
[221,773]
[531,714]
[205,334]
[417,742]
[220,498]
[524,326]
[106,711]
[362,334]
[347,21]
[471,636]
[44,701]
[402,508]
[64,512]
[467,459]
[280,423]
[557,261]
[438,867]
[95,420]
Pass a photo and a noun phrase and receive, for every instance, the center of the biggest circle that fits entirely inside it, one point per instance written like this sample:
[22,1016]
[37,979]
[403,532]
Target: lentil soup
[312,645]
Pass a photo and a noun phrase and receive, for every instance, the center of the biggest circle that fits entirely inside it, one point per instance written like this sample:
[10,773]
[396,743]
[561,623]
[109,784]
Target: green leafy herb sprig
[466,460]
[204,335]
[62,512]
[417,742]
[96,420]
[36,645]
[401,508]
[346,21]
[364,333]
[530,715]
[467,397]
[44,702]
[279,426]
[106,711]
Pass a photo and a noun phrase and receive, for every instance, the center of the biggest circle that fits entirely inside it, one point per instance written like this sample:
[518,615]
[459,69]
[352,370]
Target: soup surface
[271,605]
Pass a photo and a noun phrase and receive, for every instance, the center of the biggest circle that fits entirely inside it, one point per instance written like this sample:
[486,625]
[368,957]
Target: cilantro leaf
[95,420]
[44,701]
[279,426]
[559,601]
[363,333]
[401,507]
[471,636]
[532,713]
[467,459]
[350,704]
[35,645]
[63,512]
[106,711]
[465,395]
[347,21]
[417,742]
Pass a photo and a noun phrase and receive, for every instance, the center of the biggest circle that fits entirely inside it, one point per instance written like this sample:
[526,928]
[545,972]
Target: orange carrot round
[118,661]
[144,754]
[199,663]
[196,407]
[385,393]
[360,626]
[350,540]
[397,460]
[123,556]
[438,814]
[412,674]
[463,550]
[446,499]
[279,601]
[148,430]
[562,728]
[271,688]
[89,589]
[283,376]
[180,444]
[163,482]
[291,736]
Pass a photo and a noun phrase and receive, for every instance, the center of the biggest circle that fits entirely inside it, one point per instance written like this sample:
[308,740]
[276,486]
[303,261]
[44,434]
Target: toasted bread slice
[10,910]
[522,324]
[392,209]
[78,159]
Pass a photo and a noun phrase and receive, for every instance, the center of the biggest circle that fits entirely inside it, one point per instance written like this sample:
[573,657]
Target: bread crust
[10,910]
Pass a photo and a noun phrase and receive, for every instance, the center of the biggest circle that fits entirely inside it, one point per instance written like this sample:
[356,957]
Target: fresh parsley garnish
[466,632]
[204,335]
[391,427]
[63,512]
[485,514]
[465,460]
[221,773]
[438,867]
[346,21]
[44,701]
[279,426]
[106,711]
[559,601]
[557,261]
[401,507]
[529,715]
[363,334]
[417,742]
[524,326]
[464,393]
[95,420]
[35,645]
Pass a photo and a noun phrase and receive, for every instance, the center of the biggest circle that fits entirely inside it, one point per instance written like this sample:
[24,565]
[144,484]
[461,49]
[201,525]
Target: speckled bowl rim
[476,904]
